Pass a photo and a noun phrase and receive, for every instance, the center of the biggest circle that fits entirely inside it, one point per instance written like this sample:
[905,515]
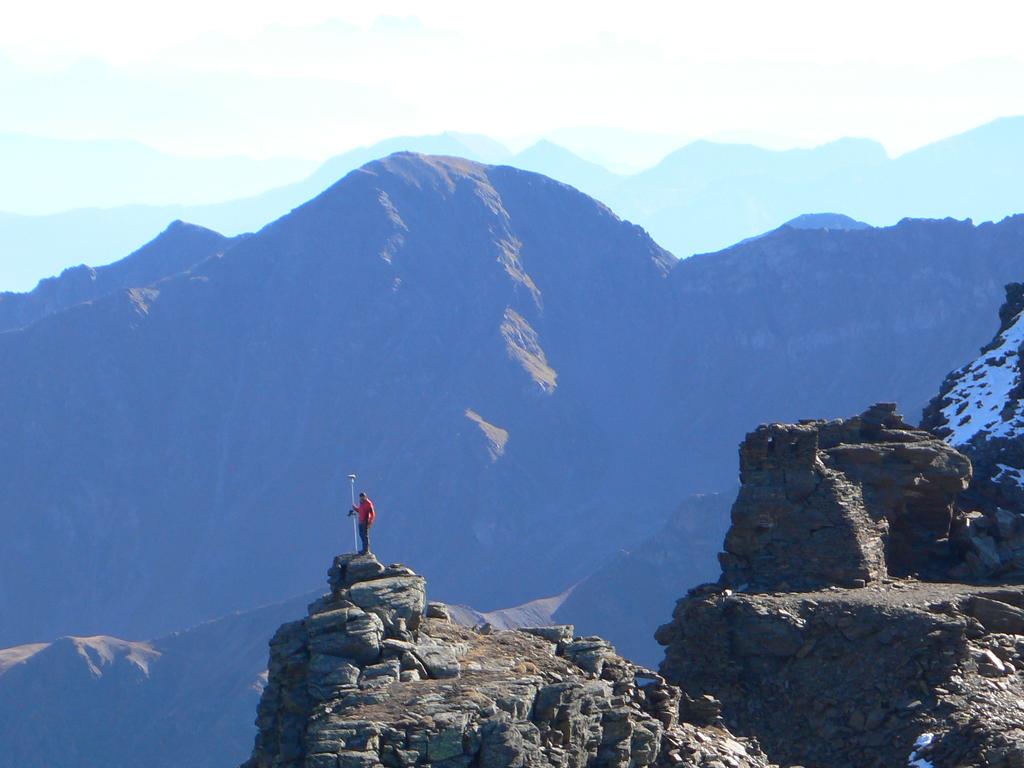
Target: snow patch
[983,389]
[923,742]
[1005,472]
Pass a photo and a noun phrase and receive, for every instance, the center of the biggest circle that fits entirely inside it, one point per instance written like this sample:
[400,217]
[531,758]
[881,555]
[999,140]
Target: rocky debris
[376,677]
[854,677]
[980,410]
[844,502]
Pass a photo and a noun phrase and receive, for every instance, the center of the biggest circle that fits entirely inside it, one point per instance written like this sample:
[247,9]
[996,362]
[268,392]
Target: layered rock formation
[891,668]
[841,502]
[376,676]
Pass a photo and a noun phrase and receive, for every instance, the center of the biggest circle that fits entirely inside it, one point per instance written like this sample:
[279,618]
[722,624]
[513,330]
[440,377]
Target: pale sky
[312,78]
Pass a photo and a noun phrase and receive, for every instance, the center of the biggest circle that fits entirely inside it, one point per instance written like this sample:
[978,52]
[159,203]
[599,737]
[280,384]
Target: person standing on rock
[367,514]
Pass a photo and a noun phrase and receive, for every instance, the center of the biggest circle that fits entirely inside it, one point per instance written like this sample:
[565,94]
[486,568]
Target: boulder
[996,616]
[347,632]
[393,599]
[352,568]
[439,660]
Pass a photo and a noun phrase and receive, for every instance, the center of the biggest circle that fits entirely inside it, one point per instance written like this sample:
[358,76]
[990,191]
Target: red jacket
[367,514]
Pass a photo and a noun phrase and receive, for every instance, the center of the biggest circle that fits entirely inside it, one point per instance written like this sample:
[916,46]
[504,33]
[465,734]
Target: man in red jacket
[367,514]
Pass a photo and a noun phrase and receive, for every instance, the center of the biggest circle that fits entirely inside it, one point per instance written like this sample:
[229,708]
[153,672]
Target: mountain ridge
[687,212]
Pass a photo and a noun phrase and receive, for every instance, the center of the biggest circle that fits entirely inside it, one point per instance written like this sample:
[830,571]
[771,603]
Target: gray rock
[843,502]
[376,675]
[558,633]
[438,611]
[439,661]
[352,568]
[502,747]
[328,674]
[394,599]
[358,760]
[348,632]
[997,616]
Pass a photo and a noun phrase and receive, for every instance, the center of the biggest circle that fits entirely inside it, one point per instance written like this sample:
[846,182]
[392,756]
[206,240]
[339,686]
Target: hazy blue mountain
[426,323]
[825,221]
[35,245]
[816,221]
[186,699]
[177,248]
[707,196]
[47,175]
[559,163]
[973,175]
[700,198]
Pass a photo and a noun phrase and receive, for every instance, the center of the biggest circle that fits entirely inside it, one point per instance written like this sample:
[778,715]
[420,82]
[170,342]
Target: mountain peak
[421,170]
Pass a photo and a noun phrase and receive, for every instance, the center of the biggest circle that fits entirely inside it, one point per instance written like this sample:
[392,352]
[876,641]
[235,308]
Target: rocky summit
[376,676]
[838,634]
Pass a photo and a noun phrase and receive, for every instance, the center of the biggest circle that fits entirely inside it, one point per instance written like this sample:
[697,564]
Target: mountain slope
[393,326]
[820,321]
[184,699]
[628,596]
[516,375]
[177,248]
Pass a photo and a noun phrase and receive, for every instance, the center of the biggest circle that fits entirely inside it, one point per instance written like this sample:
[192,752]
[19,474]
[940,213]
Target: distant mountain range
[702,197]
[519,376]
[186,699]
[177,248]
[49,175]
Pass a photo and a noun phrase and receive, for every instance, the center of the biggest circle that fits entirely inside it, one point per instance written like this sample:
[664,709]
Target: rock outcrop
[844,502]
[376,676]
[980,410]
[856,677]
[822,639]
